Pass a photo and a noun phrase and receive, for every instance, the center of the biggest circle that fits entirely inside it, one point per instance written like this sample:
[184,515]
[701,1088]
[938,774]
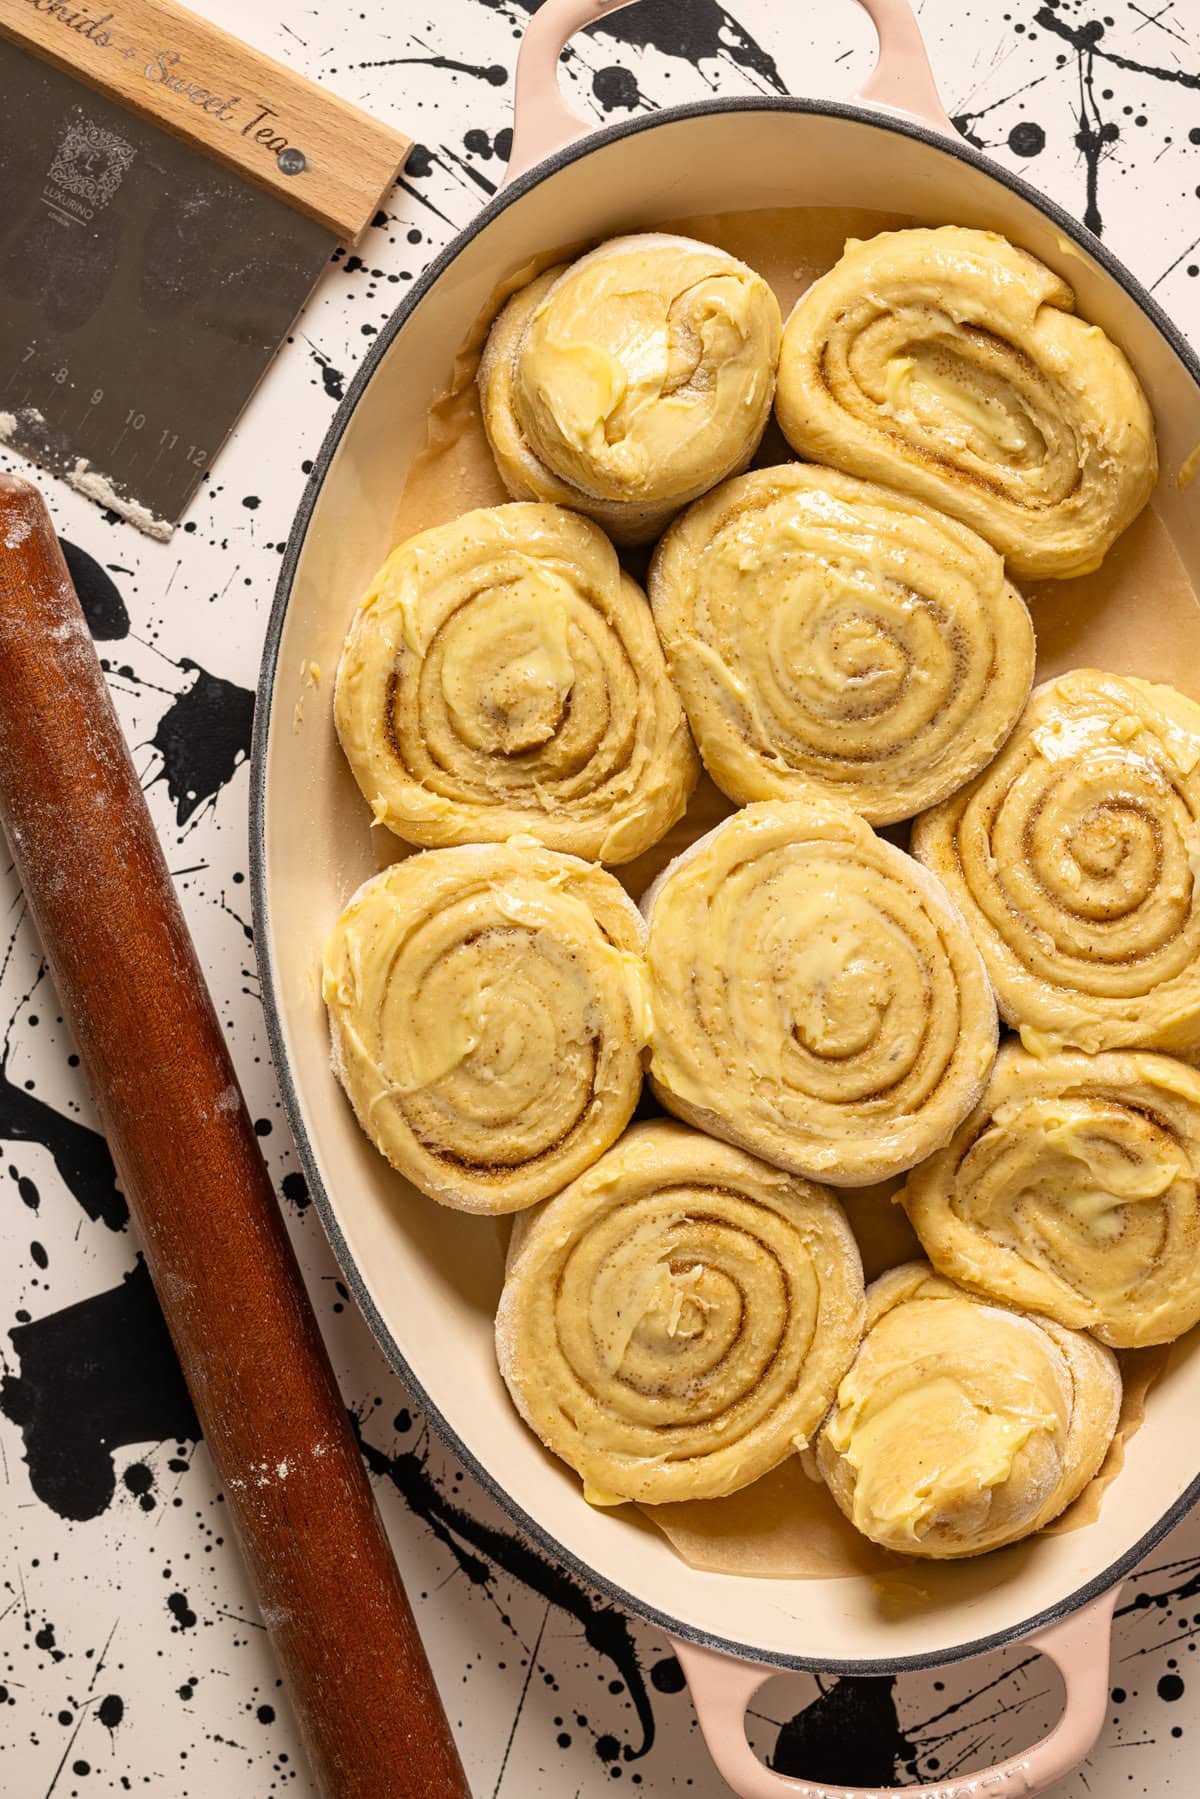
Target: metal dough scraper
[168,198]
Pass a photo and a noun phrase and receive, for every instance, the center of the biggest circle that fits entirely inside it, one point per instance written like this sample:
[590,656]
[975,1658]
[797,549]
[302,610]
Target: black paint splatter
[616,89]
[203,739]
[181,1611]
[332,380]
[139,1480]
[698,32]
[849,1736]
[99,595]
[1086,37]
[94,1377]
[1024,135]
[1027,138]
[493,73]
[80,1154]
[480,1549]
[962,122]
[666,1676]
[295,1189]
[1092,136]
[111,1710]
[1095,135]
[481,181]
[478,143]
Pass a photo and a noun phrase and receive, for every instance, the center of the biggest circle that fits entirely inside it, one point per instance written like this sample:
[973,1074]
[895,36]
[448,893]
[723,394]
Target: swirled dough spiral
[503,675]
[961,1425]
[1074,1190]
[627,383]
[487,1007]
[815,997]
[1074,860]
[676,1322]
[826,632]
[951,364]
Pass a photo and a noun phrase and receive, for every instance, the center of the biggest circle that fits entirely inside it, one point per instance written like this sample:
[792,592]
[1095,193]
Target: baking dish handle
[901,81]
[723,1688]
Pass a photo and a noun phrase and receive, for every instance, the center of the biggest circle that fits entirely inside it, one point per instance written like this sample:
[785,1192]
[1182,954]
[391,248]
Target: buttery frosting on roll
[1074,1190]
[487,1009]
[503,675]
[675,1323]
[815,997]
[627,383]
[952,364]
[826,632]
[962,1426]
[1074,859]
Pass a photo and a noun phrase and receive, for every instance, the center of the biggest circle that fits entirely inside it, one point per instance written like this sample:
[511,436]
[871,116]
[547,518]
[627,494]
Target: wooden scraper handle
[269,125]
[155,1055]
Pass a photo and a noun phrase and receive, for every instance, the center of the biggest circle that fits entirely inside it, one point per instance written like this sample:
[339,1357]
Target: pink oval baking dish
[427,1279]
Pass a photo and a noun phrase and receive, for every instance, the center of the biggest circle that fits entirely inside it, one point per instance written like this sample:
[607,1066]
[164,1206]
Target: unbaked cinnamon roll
[961,1425]
[952,364]
[1074,858]
[814,995]
[487,1008]
[1074,1190]
[675,1323]
[825,632]
[628,382]
[503,675]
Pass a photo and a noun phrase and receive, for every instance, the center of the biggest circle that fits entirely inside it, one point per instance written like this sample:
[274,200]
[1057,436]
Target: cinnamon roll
[1074,1190]
[825,632]
[1074,859]
[487,1008]
[814,995]
[952,364]
[503,675]
[675,1323]
[963,1426]
[628,382]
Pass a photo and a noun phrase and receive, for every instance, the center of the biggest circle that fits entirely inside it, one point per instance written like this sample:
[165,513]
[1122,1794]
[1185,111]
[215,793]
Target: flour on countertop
[90,482]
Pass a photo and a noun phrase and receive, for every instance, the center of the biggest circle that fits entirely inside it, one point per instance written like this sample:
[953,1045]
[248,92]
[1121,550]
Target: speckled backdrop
[130,1654]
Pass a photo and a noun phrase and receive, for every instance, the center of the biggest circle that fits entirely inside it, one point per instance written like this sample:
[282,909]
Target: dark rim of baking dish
[262,722]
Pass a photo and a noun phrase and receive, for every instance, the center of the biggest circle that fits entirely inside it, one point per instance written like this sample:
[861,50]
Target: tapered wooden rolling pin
[189,1162]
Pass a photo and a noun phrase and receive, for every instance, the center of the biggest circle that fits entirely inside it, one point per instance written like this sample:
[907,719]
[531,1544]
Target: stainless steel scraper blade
[143,291]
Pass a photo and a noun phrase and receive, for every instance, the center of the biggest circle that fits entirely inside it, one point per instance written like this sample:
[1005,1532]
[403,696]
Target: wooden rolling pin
[189,1162]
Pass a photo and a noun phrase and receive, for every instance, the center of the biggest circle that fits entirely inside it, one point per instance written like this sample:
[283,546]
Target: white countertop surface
[131,1658]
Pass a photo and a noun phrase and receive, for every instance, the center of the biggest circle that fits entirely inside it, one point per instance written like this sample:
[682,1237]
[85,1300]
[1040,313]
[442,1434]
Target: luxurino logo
[89,166]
